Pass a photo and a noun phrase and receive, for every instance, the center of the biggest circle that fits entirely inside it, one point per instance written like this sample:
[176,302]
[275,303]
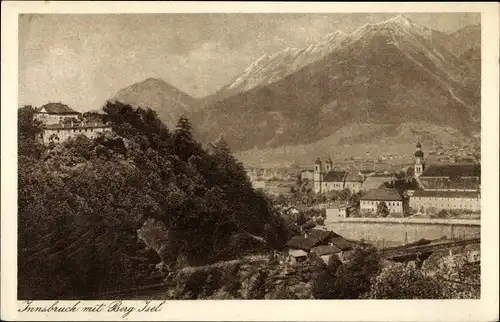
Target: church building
[419,165]
[326,179]
[446,187]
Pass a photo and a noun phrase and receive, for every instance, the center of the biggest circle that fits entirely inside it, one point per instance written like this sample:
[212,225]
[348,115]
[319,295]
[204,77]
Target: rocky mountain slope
[271,68]
[466,38]
[391,72]
[365,141]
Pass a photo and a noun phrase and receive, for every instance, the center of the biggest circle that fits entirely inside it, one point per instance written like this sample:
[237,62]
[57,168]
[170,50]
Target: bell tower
[328,165]
[419,165]
[318,175]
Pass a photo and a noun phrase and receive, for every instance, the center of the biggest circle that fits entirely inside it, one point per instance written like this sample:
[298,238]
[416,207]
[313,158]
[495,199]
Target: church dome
[318,161]
[419,154]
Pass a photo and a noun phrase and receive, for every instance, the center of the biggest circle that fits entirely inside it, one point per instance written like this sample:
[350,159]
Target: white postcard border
[485,309]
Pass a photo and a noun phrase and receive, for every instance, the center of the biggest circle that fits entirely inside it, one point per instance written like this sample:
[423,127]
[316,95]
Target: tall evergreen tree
[29,131]
[184,142]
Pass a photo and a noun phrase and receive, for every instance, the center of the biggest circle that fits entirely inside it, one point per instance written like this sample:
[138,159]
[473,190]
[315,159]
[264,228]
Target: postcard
[250,161]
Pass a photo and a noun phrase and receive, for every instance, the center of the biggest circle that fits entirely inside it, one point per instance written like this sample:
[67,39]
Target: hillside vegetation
[82,202]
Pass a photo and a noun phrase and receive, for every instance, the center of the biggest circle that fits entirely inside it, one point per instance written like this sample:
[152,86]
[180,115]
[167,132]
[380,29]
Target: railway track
[403,251]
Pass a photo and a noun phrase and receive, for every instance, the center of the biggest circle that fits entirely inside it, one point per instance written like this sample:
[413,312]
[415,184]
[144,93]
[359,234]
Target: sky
[82,59]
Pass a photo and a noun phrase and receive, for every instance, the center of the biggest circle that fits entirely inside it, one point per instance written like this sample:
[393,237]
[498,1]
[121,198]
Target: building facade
[60,123]
[392,198]
[353,181]
[422,200]
[340,211]
[446,187]
[326,179]
[53,113]
[61,132]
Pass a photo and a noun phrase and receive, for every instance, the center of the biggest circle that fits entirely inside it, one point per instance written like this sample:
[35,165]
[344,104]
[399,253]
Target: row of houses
[323,243]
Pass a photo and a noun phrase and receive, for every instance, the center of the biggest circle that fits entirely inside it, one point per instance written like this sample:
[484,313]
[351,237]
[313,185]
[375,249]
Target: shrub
[442,214]
[459,278]
[320,220]
[382,209]
[213,282]
[402,281]
[195,284]
[432,210]
[349,280]
[233,287]
[410,212]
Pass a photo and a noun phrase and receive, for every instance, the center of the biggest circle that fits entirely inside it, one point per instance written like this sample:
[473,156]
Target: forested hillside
[81,203]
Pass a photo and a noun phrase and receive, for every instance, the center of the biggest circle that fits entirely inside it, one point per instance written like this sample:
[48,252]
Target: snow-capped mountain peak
[269,68]
[334,35]
[400,19]
[399,31]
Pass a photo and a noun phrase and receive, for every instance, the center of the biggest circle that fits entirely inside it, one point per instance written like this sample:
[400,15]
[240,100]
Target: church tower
[419,166]
[318,175]
[328,165]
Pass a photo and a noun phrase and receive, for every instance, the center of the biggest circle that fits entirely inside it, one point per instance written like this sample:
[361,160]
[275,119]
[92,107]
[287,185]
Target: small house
[309,239]
[314,238]
[297,256]
[337,211]
[325,252]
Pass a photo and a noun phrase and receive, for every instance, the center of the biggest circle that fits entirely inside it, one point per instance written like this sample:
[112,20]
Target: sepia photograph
[249,156]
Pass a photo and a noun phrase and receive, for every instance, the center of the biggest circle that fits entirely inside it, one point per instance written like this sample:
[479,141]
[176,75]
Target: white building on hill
[61,132]
[53,113]
[61,122]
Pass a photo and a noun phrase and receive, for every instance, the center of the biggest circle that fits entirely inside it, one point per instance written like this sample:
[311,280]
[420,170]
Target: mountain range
[390,73]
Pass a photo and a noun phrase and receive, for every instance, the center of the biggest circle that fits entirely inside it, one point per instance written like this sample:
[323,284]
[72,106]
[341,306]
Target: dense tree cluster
[82,201]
